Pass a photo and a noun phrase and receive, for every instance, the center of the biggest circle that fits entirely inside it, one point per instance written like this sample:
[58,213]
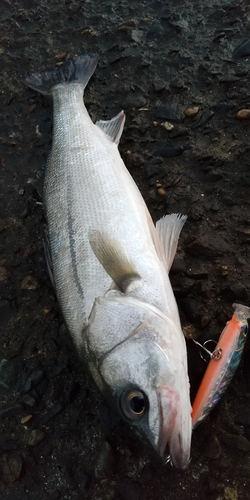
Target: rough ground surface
[57,437]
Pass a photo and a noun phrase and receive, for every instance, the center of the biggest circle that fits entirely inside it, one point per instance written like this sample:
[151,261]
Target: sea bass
[110,268]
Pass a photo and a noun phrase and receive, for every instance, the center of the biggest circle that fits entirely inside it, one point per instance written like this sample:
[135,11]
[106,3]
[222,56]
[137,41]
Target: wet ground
[157,59]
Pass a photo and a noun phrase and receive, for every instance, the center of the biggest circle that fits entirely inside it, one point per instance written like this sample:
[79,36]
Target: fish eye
[133,404]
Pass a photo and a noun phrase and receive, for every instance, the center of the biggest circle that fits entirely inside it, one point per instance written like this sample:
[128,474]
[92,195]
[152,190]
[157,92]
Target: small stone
[130,23]
[189,112]
[29,283]
[135,160]
[197,274]
[158,85]
[55,410]
[169,151]
[127,488]
[32,381]
[189,332]
[47,309]
[223,270]
[234,441]
[167,126]
[243,50]
[236,291]
[170,113]
[29,400]
[161,191]
[11,467]
[208,247]
[243,114]
[230,493]
[137,35]
[35,437]
[26,419]
[178,266]
[105,463]
[61,57]
[11,411]
[184,287]
[212,448]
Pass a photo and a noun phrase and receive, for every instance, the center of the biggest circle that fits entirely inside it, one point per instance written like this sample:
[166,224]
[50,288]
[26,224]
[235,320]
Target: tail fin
[79,70]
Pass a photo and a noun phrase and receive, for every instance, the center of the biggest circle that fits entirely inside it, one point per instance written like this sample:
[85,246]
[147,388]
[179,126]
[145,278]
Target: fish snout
[175,429]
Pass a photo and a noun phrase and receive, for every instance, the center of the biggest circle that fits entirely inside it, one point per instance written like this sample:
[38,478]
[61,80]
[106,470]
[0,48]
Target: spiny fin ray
[168,229]
[114,127]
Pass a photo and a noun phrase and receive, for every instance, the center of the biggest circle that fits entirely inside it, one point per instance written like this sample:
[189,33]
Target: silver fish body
[110,267]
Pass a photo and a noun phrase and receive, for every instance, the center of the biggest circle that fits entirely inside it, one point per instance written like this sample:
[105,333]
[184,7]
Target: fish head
[133,361]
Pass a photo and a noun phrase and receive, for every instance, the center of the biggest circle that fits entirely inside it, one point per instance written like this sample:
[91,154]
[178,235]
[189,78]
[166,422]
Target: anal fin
[168,229]
[114,127]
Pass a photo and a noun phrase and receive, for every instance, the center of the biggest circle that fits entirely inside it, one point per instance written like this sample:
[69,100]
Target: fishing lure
[224,361]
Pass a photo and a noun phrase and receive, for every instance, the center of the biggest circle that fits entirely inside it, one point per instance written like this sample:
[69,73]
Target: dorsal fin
[114,127]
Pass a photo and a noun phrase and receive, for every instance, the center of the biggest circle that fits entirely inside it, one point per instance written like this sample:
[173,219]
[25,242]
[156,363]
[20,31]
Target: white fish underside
[87,187]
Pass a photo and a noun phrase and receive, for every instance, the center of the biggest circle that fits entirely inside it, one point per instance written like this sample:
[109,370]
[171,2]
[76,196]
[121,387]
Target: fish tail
[80,69]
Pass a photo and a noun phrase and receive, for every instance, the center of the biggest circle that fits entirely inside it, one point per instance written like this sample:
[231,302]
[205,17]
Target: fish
[110,267]
[223,364]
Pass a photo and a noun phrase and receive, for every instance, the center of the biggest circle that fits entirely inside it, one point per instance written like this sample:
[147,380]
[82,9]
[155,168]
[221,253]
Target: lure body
[223,364]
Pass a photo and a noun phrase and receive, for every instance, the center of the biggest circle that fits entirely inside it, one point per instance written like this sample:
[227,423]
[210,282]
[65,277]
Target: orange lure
[222,365]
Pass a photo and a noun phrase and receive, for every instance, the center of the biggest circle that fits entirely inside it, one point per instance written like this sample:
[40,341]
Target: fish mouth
[174,437]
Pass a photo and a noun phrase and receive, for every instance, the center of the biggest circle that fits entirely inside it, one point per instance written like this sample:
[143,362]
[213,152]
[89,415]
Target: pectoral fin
[168,229]
[114,259]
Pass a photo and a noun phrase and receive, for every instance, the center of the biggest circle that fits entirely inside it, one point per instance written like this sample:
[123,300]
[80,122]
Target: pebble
[243,50]
[157,169]
[169,151]
[11,467]
[137,35]
[213,176]
[230,493]
[211,448]
[169,113]
[134,101]
[11,411]
[189,112]
[127,488]
[208,247]
[243,416]
[236,291]
[29,283]
[55,410]
[167,126]
[130,23]
[135,160]
[158,85]
[178,266]
[3,274]
[203,119]
[5,310]
[184,286]
[243,114]
[197,274]
[35,437]
[161,191]
[32,381]
[105,462]
[8,374]
[239,442]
